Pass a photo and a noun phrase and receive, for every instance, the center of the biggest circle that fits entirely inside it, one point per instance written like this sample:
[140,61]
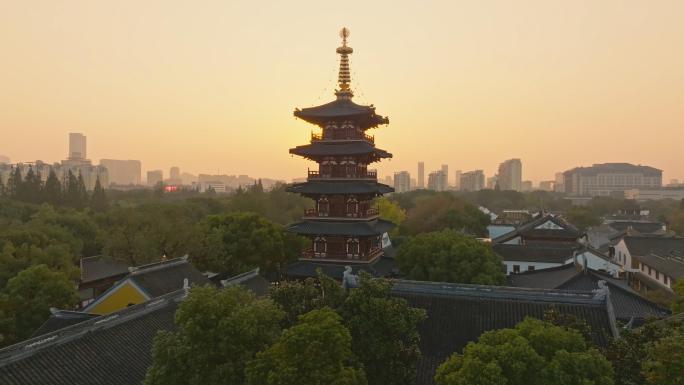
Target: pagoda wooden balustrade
[372,253]
[315,174]
[351,135]
[368,213]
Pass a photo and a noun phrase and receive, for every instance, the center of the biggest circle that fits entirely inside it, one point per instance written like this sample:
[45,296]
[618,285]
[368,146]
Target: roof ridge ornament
[344,77]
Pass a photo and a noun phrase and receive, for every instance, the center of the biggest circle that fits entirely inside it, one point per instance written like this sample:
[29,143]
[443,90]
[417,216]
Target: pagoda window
[352,247]
[323,207]
[320,246]
[352,207]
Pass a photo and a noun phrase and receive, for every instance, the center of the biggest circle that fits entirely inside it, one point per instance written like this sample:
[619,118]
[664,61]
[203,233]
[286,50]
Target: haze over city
[212,88]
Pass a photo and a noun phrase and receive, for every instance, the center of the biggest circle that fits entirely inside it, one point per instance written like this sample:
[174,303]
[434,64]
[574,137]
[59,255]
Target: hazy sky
[210,86]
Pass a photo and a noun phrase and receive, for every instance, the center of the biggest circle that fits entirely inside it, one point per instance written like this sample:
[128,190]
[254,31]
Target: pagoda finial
[344,78]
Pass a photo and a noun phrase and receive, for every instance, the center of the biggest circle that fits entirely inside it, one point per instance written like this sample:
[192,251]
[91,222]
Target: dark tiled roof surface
[640,226]
[164,277]
[616,167]
[338,109]
[535,252]
[549,278]
[107,350]
[531,230]
[357,228]
[329,149]
[340,188]
[381,267]
[252,280]
[458,314]
[672,266]
[99,267]
[59,319]
[654,245]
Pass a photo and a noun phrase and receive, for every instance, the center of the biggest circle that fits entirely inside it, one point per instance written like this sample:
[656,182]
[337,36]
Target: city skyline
[173,84]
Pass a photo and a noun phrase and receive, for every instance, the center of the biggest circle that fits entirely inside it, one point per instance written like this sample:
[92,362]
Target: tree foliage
[664,363]
[438,211]
[26,301]
[534,352]
[218,331]
[317,350]
[449,256]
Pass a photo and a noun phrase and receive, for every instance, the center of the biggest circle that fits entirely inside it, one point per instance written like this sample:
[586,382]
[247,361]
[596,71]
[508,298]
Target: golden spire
[344,78]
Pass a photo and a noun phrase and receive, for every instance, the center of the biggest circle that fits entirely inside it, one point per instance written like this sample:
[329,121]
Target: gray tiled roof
[355,228]
[381,267]
[59,319]
[316,149]
[100,267]
[458,314]
[549,253]
[340,188]
[160,278]
[654,245]
[672,266]
[530,229]
[340,109]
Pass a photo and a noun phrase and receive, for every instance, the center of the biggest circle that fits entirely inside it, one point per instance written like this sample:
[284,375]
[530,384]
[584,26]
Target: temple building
[344,225]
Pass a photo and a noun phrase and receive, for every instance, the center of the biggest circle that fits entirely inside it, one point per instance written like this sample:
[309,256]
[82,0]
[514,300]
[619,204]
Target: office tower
[414,183]
[421,175]
[437,181]
[510,175]
[402,181]
[610,178]
[559,183]
[445,171]
[77,146]
[122,172]
[457,180]
[174,173]
[155,177]
[472,180]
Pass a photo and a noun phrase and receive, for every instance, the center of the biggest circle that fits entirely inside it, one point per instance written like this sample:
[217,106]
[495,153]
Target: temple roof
[340,188]
[360,147]
[342,109]
[545,226]
[548,253]
[369,228]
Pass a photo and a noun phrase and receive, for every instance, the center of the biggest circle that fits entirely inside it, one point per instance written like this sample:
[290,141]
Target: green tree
[384,332]
[534,352]
[316,351]
[99,202]
[72,194]
[449,256]
[31,187]
[664,363]
[52,192]
[434,212]
[300,297]
[583,218]
[392,212]
[238,242]
[15,183]
[28,297]
[217,332]
[677,304]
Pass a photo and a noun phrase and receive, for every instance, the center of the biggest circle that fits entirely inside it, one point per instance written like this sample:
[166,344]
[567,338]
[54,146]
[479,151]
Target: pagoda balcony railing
[342,136]
[363,255]
[315,174]
[367,213]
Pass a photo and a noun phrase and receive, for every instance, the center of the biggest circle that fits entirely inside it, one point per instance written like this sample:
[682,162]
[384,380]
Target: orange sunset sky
[210,86]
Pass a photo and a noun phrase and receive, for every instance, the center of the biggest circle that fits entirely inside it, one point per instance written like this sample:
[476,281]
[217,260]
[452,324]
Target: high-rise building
[526,186]
[174,173]
[122,172]
[77,146]
[445,171]
[4,159]
[472,180]
[402,181]
[493,182]
[610,179]
[559,183]
[510,175]
[155,177]
[344,226]
[457,180]
[546,185]
[388,180]
[437,181]
[421,175]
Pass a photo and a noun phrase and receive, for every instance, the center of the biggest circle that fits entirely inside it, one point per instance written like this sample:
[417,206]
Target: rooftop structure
[610,179]
[343,226]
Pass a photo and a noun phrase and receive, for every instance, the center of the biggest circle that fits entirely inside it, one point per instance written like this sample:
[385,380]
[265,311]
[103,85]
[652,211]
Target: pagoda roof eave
[317,149]
[341,109]
[328,188]
[362,229]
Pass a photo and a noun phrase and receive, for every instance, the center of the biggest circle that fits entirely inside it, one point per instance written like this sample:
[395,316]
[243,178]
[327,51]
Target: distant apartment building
[526,186]
[421,175]
[559,183]
[89,172]
[437,181]
[510,175]
[77,146]
[457,180]
[492,182]
[155,177]
[472,180]
[174,177]
[675,193]
[123,172]
[388,180]
[546,185]
[4,159]
[610,179]
[445,171]
[402,181]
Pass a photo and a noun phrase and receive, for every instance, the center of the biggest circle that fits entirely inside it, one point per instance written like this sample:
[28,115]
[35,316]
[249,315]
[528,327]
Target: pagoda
[344,225]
